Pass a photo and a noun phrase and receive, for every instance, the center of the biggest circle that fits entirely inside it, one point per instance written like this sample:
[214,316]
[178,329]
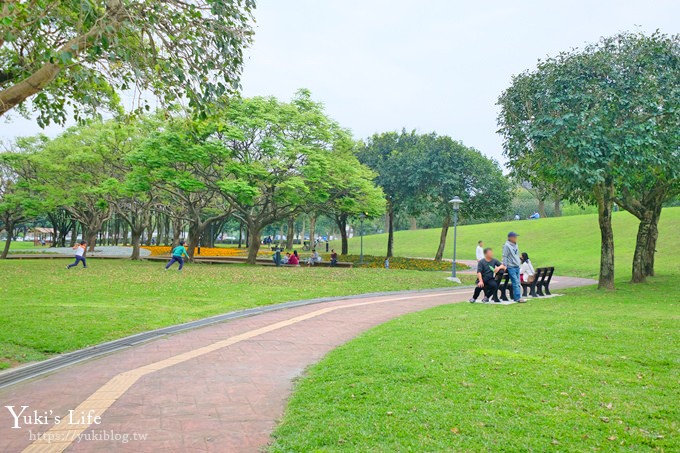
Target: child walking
[177,253]
[80,255]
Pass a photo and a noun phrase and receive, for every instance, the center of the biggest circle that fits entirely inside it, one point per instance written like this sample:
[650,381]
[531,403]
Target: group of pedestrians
[518,266]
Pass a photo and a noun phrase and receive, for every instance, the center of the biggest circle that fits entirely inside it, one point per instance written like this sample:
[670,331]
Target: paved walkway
[219,388]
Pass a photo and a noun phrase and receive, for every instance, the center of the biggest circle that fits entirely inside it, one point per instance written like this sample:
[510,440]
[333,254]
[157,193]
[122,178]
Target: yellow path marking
[59,437]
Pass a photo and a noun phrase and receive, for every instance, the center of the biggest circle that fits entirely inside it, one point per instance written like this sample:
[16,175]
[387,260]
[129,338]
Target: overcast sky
[430,65]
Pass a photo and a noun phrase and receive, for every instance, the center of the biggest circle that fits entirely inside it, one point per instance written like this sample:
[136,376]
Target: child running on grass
[177,253]
[80,255]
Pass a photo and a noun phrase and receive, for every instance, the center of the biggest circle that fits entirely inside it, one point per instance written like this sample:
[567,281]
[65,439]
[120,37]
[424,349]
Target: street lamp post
[362,217]
[455,202]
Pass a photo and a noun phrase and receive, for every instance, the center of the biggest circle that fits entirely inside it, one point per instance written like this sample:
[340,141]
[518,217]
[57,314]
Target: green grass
[572,244]
[24,246]
[593,371]
[46,309]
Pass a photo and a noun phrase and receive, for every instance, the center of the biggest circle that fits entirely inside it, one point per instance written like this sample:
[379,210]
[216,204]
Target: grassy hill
[570,243]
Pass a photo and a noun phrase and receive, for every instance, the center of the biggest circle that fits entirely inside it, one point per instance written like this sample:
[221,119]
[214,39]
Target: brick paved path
[218,388]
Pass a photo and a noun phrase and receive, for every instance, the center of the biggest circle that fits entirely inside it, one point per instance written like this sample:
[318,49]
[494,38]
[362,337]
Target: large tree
[75,171]
[440,168]
[176,162]
[597,121]
[77,55]
[271,160]
[18,202]
[352,194]
[386,154]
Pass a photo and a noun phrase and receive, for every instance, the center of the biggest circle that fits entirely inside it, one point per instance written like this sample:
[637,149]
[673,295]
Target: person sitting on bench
[526,269]
[294,259]
[314,259]
[487,269]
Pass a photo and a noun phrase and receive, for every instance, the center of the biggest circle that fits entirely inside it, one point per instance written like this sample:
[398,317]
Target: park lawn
[23,246]
[46,309]
[571,244]
[594,371]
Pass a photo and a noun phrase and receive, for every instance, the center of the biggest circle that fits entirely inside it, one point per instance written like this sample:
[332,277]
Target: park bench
[531,287]
[540,287]
[503,279]
[543,284]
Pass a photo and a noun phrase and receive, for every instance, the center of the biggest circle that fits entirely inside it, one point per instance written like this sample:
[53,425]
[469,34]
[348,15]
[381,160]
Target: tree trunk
[390,230]
[290,234]
[641,244]
[253,232]
[413,223]
[91,238]
[558,206]
[653,236]
[176,231]
[136,242]
[645,245]
[151,230]
[9,227]
[124,233]
[342,225]
[646,208]
[312,227]
[442,238]
[240,235]
[605,205]
[541,207]
[74,234]
[195,231]
[302,233]
[166,237]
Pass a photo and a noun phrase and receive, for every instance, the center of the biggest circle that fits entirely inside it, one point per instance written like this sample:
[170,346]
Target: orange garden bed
[205,251]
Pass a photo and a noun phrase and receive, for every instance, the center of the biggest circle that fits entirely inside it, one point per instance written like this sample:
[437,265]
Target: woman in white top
[479,252]
[315,258]
[526,269]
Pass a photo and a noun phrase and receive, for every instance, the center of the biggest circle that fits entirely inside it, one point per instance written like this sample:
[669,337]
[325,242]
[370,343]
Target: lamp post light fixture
[455,203]
[362,217]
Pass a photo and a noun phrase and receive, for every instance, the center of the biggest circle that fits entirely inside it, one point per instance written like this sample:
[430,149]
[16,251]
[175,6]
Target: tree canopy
[601,123]
[78,56]
[257,160]
[421,173]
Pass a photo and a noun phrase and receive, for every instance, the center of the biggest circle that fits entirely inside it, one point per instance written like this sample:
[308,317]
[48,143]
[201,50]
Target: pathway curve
[218,388]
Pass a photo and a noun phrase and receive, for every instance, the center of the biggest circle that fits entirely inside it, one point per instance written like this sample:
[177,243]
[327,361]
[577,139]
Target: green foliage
[386,154]
[421,173]
[601,124]
[606,114]
[75,56]
[19,201]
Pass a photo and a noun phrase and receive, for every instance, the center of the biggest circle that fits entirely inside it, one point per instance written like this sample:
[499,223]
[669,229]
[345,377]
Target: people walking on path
[479,253]
[487,268]
[512,261]
[177,256]
[80,255]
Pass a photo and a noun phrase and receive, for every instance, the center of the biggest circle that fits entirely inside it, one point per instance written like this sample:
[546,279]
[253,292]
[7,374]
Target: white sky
[430,65]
